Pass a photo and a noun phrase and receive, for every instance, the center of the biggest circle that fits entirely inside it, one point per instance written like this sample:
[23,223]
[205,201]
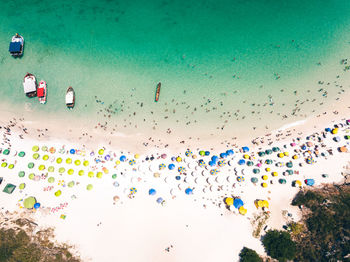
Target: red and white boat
[42,92]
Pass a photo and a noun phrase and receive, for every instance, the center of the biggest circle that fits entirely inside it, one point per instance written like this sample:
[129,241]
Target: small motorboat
[70,97]
[158,91]
[16,45]
[42,92]
[29,85]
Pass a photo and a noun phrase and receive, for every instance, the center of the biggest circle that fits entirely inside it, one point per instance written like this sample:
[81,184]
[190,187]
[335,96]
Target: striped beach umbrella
[181,169]
[201,163]
[132,162]
[222,163]
[162,166]
[214,171]
[133,190]
[240,178]
[188,153]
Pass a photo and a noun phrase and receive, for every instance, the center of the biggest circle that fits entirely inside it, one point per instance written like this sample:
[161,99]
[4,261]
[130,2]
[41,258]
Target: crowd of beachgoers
[60,171]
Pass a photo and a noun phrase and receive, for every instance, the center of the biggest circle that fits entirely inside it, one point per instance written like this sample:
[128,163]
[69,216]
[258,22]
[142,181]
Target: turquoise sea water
[214,59]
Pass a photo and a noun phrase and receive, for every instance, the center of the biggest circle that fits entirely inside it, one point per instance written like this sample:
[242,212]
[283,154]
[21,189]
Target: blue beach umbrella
[207,153]
[238,203]
[36,205]
[241,162]
[245,149]
[223,155]
[328,129]
[152,192]
[178,177]
[229,152]
[122,158]
[189,191]
[159,200]
[171,166]
[72,151]
[214,158]
[107,157]
[212,163]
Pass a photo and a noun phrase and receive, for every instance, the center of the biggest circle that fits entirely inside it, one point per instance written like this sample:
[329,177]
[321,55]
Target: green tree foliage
[17,246]
[327,234]
[249,255]
[279,245]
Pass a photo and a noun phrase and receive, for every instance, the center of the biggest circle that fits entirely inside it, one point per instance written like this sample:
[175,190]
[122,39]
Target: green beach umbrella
[22,186]
[21,173]
[89,187]
[261,154]
[268,161]
[250,163]
[29,202]
[71,184]
[202,153]
[21,154]
[114,176]
[31,176]
[254,180]
[256,171]
[36,156]
[30,165]
[289,164]
[51,179]
[6,152]
[35,148]
[268,152]
[290,172]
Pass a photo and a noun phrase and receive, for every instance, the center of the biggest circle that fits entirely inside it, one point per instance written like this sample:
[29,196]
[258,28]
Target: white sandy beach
[198,226]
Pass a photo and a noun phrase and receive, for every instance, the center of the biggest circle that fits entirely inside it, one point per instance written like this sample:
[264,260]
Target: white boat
[42,92]
[70,97]
[16,45]
[29,85]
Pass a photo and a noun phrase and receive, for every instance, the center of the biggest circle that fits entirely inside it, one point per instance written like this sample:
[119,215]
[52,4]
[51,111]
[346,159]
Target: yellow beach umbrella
[86,163]
[70,171]
[334,130]
[59,160]
[35,148]
[81,172]
[267,169]
[101,151]
[298,183]
[99,174]
[136,156]
[264,185]
[274,174]
[58,193]
[22,186]
[91,174]
[105,170]
[117,162]
[242,210]
[36,156]
[89,187]
[61,170]
[41,167]
[286,153]
[77,162]
[264,177]
[295,157]
[51,169]
[265,203]
[69,160]
[245,156]
[11,166]
[229,201]
[178,159]
[45,157]
[280,155]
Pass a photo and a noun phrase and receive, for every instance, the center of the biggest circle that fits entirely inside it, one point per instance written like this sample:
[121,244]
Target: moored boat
[42,92]
[16,45]
[158,91]
[70,97]
[29,85]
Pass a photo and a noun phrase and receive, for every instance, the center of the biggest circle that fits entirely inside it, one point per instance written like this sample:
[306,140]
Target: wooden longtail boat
[158,91]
